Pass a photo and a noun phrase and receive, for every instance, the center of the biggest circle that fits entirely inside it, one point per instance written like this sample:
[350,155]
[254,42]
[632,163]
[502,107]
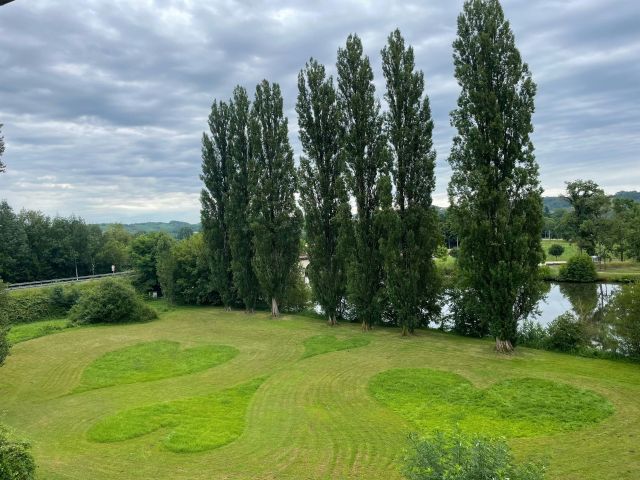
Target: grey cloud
[104,103]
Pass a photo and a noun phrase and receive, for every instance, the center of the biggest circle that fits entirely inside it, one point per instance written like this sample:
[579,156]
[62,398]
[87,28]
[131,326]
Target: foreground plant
[460,457]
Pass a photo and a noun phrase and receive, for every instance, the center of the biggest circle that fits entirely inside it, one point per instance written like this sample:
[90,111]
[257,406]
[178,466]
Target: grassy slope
[26,331]
[312,418]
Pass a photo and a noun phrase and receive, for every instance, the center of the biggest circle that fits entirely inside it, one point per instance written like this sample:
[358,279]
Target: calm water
[585,300]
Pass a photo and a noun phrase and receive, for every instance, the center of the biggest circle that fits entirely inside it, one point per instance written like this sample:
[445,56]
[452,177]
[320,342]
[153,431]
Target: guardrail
[55,281]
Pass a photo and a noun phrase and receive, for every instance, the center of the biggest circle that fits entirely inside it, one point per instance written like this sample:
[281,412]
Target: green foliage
[297,296]
[151,361]
[14,247]
[16,461]
[184,273]
[494,189]
[276,221]
[411,233]
[364,147]
[323,194]
[110,301]
[319,344]
[624,312]
[520,407]
[194,424]
[145,251]
[579,268]
[532,334]
[589,203]
[27,331]
[237,212]
[4,324]
[62,298]
[556,250]
[566,334]
[30,305]
[465,457]
[214,198]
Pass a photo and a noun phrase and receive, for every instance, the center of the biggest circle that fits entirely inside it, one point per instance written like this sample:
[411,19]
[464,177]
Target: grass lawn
[570,249]
[27,331]
[301,400]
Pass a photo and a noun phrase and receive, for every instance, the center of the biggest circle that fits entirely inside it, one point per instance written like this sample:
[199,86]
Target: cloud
[104,103]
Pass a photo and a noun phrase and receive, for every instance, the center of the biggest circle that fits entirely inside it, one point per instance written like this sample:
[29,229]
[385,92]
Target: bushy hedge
[566,334]
[30,305]
[110,301]
[579,268]
[16,462]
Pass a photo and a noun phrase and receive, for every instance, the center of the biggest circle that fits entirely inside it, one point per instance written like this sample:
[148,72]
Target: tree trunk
[332,320]
[274,308]
[405,331]
[503,346]
[365,326]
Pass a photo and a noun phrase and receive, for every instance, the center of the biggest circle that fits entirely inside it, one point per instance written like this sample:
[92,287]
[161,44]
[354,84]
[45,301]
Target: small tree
[579,268]
[566,333]
[589,204]
[556,250]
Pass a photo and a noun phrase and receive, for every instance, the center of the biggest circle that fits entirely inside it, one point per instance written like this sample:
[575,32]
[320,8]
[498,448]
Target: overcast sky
[104,102]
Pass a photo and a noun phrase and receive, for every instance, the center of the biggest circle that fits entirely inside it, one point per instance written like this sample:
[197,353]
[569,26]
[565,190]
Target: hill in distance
[172,227]
[559,203]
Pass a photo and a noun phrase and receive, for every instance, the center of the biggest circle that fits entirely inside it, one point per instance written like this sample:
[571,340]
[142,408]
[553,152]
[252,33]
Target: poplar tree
[275,219]
[214,199]
[364,148]
[240,233]
[494,190]
[412,233]
[322,190]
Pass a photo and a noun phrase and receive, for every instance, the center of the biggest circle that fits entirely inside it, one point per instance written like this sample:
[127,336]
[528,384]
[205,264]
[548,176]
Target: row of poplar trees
[365,184]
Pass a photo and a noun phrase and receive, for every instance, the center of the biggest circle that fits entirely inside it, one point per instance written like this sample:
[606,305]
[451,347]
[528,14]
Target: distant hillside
[559,203]
[172,227]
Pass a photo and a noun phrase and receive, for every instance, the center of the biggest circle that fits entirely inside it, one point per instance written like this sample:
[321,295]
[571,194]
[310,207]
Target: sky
[104,102]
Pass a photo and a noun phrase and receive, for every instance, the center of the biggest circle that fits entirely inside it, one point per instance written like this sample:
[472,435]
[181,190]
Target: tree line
[365,185]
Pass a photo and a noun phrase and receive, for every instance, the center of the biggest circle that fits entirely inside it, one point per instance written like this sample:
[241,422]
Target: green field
[570,249]
[233,396]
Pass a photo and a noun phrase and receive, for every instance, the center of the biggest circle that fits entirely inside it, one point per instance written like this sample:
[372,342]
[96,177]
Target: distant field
[295,399]
[570,249]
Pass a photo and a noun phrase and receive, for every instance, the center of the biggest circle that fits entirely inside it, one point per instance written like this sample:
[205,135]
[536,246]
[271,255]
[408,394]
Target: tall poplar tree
[494,190]
[275,218]
[322,190]
[214,199]
[364,148]
[240,233]
[412,236]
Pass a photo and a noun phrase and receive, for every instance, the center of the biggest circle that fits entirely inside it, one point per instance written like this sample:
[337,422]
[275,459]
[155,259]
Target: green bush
[16,462]
[110,301]
[566,334]
[29,305]
[63,298]
[532,334]
[298,294]
[624,313]
[579,268]
[454,252]
[459,457]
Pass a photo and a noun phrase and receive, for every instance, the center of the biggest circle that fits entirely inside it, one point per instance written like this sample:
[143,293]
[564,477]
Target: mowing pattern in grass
[524,407]
[26,331]
[320,344]
[195,424]
[151,361]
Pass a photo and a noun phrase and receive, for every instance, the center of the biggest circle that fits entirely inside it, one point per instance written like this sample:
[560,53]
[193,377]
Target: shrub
[30,305]
[566,333]
[556,250]
[624,313]
[63,298]
[16,462]
[110,301]
[4,342]
[579,268]
[297,295]
[454,252]
[532,334]
[459,457]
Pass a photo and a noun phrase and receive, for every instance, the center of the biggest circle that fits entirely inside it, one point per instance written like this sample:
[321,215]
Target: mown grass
[522,407]
[319,344]
[570,249]
[151,361]
[26,331]
[311,418]
[189,425]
